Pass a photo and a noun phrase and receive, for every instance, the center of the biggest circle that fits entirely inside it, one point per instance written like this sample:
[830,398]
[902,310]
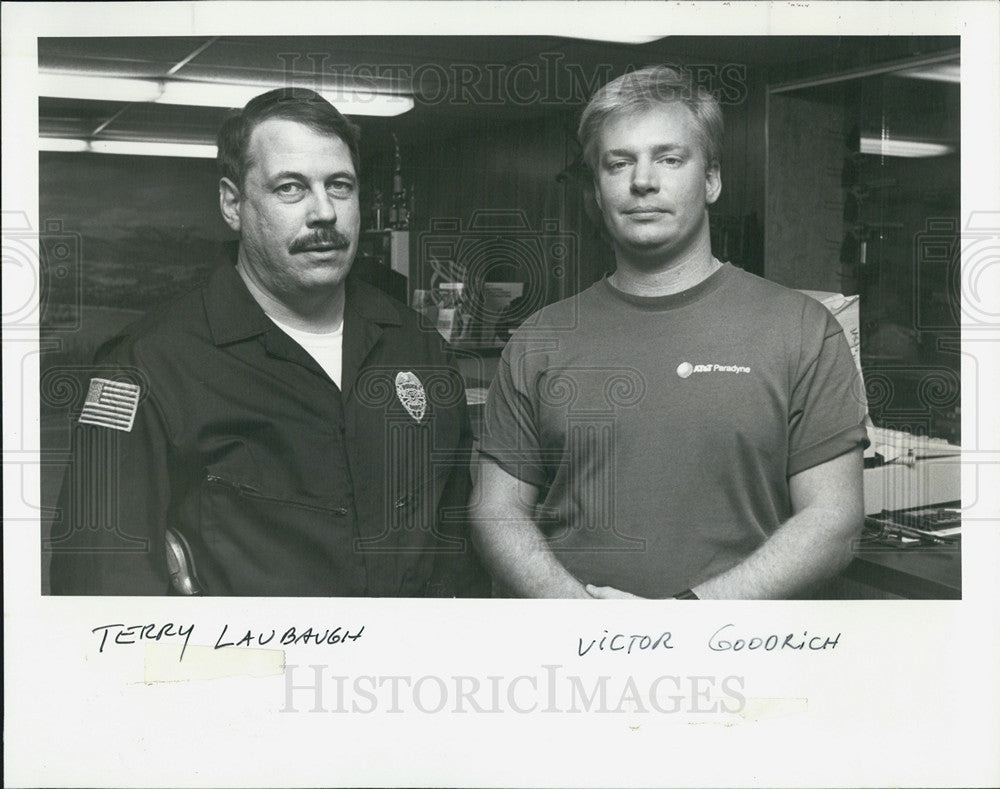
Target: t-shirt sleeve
[827,407]
[510,430]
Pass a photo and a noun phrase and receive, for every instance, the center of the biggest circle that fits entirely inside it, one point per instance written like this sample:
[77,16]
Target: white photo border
[908,697]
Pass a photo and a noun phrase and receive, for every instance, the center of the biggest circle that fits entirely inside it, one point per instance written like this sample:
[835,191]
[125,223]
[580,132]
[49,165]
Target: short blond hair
[642,90]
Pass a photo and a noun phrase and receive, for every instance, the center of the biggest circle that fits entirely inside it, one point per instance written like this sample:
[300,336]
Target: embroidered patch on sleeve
[110,404]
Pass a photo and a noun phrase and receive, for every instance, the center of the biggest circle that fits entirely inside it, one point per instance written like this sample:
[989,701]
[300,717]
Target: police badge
[411,394]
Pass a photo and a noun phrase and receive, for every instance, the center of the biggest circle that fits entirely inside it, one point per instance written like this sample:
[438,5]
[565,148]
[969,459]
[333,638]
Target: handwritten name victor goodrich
[722,640]
[119,633]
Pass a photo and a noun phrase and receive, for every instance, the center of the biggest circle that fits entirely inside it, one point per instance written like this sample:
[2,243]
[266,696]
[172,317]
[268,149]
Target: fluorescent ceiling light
[82,86]
[207,94]
[614,38]
[911,149]
[128,147]
[62,144]
[349,102]
[940,72]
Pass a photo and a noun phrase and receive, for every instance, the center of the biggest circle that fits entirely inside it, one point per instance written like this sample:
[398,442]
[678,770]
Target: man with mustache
[681,428]
[285,429]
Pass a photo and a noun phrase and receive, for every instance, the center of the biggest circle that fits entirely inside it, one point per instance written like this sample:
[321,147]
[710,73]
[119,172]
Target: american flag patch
[110,404]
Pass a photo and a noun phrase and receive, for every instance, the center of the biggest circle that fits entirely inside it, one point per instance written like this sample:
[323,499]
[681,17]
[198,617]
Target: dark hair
[294,104]
[641,90]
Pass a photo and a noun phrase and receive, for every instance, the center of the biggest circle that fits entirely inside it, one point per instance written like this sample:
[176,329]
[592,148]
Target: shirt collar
[369,303]
[233,315]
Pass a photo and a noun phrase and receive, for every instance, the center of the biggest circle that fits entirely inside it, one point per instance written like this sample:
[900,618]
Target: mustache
[323,238]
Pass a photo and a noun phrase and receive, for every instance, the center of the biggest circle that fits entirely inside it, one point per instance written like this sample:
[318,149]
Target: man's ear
[713,182]
[229,203]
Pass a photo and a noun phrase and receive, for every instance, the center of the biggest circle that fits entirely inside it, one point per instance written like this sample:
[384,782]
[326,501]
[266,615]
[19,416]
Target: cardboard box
[847,311]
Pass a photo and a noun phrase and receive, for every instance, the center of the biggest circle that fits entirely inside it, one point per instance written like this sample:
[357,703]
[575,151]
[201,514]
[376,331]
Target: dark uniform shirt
[279,482]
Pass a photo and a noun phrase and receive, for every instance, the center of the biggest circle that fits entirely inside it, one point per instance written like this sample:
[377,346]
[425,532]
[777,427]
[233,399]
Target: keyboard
[936,524]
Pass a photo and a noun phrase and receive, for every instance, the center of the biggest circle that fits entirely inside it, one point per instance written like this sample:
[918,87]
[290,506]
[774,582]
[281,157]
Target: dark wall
[487,173]
[146,227]
[149,227]
[501,198]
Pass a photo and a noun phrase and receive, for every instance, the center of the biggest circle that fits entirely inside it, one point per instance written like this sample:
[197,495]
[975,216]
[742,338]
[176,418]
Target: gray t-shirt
[662,431]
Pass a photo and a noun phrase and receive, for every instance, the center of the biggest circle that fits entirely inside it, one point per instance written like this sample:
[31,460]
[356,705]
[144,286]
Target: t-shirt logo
[686,369]
[411,394]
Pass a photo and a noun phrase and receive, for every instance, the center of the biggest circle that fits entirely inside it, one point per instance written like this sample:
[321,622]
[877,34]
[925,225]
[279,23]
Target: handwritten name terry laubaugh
[131,634]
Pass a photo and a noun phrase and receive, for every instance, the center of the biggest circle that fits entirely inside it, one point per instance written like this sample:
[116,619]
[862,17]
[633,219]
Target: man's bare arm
[811,546]
[510,543]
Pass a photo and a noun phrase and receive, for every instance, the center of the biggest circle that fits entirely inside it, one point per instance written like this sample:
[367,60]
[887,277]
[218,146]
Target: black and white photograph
[599,386]
[614,452]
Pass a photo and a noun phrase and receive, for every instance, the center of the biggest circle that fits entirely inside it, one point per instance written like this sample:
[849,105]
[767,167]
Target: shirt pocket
[401,554]
[409,513]
[420,500]
[258,543]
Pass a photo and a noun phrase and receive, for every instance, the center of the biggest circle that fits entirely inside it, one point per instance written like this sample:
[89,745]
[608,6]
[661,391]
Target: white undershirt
[326,348]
